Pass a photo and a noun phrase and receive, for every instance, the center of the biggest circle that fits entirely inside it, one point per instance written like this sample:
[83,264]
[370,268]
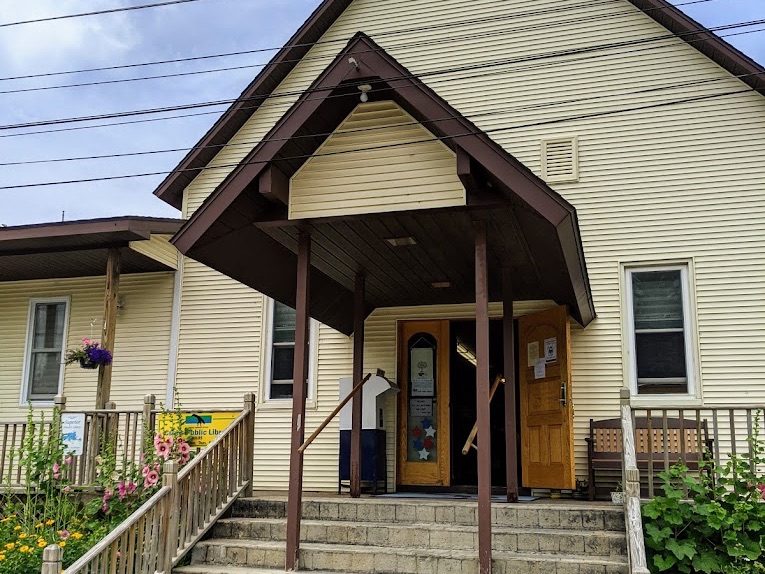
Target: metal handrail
[333,414]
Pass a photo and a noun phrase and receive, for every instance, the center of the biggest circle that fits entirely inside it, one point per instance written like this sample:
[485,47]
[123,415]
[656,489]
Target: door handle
[563,401]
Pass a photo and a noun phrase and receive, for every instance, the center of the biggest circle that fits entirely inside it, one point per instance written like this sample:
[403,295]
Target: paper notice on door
[539,369]
[551,350]
[420,407]
[532,353]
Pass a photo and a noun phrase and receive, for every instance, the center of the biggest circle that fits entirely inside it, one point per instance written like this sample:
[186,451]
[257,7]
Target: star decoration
[424,454]
[430,431]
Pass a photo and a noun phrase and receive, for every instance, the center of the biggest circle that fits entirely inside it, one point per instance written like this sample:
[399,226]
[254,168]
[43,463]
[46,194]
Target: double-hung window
[280,354]
[46,334]
[660,333]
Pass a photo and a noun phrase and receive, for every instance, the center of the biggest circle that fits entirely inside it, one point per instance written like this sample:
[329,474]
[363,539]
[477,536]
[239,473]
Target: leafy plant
[89,353]
[713,522]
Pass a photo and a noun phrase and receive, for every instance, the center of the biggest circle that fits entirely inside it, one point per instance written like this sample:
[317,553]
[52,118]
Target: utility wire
[393,145]
[96,13]
[434,82]
[196,105]
[342,41]
[471,36]
[494,112]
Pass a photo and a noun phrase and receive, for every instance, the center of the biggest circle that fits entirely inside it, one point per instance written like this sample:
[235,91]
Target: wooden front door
[547,440]
[423,406]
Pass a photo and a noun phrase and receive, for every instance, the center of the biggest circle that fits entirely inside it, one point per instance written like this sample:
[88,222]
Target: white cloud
[43,46]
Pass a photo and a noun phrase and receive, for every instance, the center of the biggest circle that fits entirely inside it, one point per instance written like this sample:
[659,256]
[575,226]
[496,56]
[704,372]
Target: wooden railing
[163,530]
[706,438]
[633,518]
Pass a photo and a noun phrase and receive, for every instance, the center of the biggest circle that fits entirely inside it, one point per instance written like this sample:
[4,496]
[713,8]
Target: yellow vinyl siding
[142,339]
[159,249]
[339,183]
[675,183]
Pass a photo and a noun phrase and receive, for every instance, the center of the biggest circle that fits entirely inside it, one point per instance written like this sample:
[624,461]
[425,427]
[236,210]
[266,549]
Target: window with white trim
[280,355]
[660,333]
[43,365]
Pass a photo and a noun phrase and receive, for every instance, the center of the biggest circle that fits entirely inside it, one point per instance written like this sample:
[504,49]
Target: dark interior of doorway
[464,471]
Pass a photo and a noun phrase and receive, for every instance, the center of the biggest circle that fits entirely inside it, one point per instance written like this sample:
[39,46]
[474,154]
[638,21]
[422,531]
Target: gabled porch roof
[243,228]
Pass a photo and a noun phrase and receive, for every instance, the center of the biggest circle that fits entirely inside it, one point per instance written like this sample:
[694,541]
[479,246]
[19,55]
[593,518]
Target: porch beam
[358,372]
[299,391]
[274,185]
[511,433]
[109,324]
[482,396]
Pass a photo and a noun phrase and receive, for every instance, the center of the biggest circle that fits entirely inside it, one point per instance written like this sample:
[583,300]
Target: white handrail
[633,519]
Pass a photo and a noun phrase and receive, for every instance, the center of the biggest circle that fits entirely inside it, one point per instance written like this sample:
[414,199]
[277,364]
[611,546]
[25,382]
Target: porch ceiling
[243,229]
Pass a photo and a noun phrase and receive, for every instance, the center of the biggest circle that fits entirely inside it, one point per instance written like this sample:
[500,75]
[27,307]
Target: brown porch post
[300,376]
[358,373]
[103,389]
[482,397]
[511,433]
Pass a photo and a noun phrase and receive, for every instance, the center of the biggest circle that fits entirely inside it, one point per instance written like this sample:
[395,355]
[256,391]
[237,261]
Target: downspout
[175,328]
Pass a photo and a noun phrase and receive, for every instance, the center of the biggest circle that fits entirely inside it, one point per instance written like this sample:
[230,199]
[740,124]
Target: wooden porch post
[109,324]
[358,373]
[482,397]
[300,376]
[511,434]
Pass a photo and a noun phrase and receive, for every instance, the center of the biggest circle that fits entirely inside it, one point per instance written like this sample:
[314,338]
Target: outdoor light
[401,241]
[364,89]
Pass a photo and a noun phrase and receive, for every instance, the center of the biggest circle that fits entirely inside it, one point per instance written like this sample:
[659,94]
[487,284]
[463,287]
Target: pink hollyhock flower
[169,441]
[183,459]
[56,467]
[145,470]
[163,450]
[108,494]
[67,489]
[151,479]
[761,488]
[64,534]
[158,440]
[184,448]
[131,487]
[69,460]
[104,507]
[122,489]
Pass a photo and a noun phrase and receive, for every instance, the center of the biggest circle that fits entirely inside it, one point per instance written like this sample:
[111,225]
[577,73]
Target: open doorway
[464,469]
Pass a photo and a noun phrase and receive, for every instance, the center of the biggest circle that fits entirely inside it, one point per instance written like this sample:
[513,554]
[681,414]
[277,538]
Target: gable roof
[247,212]
[269,78]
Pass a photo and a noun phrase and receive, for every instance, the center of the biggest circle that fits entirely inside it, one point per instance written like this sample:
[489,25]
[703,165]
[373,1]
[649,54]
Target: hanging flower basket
[90,355]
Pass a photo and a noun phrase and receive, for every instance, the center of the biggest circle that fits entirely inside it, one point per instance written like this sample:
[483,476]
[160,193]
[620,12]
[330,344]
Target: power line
[492,113]
[434,82]
[341,41]
[96,13]
[554,54]
[471,36]
[398,144]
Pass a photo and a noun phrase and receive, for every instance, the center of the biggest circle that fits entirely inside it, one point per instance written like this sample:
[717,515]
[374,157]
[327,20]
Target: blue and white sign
[73,432]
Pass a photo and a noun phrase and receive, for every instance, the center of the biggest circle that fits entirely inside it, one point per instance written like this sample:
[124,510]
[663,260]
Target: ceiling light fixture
[441,284]
[401,241]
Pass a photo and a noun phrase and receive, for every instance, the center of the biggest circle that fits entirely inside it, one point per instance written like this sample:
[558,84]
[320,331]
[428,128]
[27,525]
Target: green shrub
[712,522]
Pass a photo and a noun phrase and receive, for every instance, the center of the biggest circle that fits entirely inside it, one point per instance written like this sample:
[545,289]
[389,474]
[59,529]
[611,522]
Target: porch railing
[708,434]
[156,536]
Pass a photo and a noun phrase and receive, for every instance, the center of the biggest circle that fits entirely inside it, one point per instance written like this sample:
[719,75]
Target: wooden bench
[604,445]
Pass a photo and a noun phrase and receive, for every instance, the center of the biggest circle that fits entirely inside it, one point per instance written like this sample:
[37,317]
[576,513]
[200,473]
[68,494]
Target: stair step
[579,516]
[228,569]
[426,536]
[383,560]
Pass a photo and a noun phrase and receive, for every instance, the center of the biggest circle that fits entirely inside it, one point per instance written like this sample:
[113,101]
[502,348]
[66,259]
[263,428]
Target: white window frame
[25,372]
[693,387]
[313,358]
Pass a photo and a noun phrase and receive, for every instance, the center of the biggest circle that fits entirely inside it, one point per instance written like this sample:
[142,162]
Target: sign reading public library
[73,432]
[200,429]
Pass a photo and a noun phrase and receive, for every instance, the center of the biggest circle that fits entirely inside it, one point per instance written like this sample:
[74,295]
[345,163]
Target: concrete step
[382,560]
[428,536]
[559,514]
[228,569]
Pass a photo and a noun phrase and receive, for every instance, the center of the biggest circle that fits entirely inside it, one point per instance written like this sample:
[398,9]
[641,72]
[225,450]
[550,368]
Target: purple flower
[99,356]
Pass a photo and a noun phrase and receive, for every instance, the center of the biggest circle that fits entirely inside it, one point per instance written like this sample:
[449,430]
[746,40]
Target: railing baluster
[649,426]
[21,442]
[749,434]
[665,438]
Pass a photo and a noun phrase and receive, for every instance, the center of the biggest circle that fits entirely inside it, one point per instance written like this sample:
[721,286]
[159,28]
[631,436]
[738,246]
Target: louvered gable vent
[560,161]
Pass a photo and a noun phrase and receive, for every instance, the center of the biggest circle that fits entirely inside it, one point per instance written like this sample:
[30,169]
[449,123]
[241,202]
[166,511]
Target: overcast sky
[192,29]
